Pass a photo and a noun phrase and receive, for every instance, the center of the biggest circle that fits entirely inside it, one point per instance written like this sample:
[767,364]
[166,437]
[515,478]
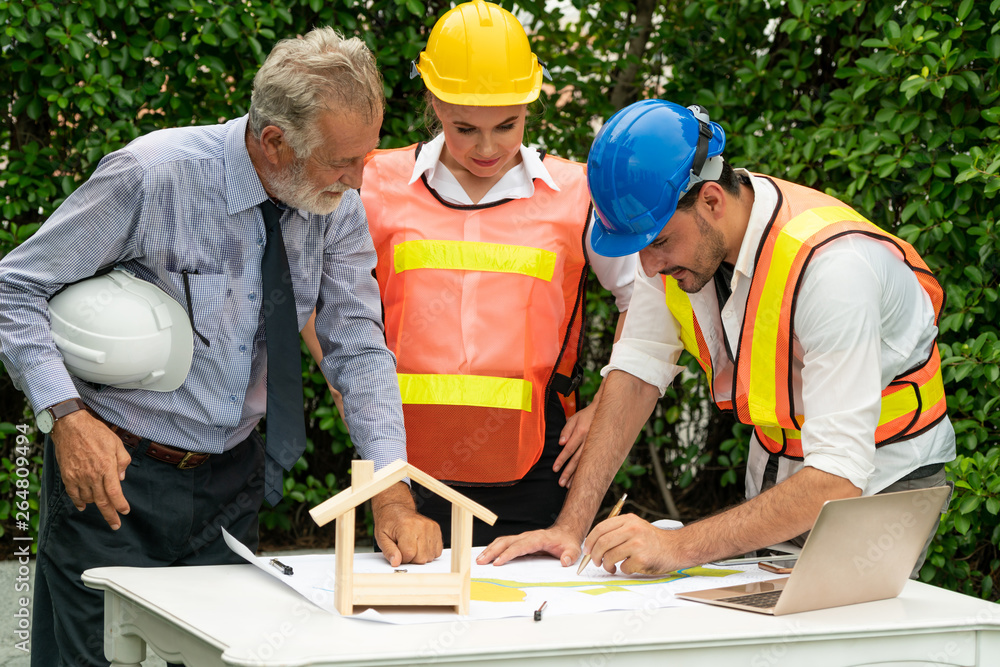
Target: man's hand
[554,541]
[571,439]
[403,535]
[784,511]
[644,548]
[626,404]
[92,461]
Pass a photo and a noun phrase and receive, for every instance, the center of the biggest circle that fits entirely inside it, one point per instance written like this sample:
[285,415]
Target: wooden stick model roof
[350,498]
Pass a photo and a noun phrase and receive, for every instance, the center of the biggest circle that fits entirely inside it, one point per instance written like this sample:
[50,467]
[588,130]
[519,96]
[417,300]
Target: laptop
[860,549]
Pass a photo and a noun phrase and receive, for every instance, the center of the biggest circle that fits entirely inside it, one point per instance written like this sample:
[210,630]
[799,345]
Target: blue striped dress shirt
[186,199]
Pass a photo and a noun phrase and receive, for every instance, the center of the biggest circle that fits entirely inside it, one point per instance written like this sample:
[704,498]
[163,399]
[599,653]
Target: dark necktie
[723,290]
[286,428]
[723,281]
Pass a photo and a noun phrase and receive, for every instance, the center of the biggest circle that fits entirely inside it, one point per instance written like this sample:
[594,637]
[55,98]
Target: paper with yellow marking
[516,589]
[508,590]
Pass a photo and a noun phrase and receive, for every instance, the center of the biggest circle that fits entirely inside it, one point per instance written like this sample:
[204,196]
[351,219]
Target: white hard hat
[117,330]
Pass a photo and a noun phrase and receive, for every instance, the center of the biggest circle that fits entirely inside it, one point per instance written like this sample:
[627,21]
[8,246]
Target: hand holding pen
[614,512]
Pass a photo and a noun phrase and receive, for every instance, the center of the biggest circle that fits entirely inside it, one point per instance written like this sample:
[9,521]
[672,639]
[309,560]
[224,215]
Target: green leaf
[913,83]
[973,273]
[34,108]
[885,115]
[970,504]
[963,10]
[962,523]
[908,212]
[966,175]
[993,47]
[161,27]
[230,29]
[76,50]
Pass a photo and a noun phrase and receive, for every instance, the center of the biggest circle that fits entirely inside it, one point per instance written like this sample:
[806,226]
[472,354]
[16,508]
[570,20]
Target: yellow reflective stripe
[473,390]
[904,402]
[894,406]
[680,306]
[475,256]
[774,432]
[807,223]
[762,399]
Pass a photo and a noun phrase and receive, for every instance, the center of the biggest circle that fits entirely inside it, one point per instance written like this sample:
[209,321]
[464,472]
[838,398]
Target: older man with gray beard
[139,477]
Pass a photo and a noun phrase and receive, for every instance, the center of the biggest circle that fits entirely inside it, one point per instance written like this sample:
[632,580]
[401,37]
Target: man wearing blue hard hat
[811,324]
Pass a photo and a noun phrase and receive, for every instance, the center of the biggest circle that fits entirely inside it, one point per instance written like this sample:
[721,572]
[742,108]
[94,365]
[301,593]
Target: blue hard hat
[641,163]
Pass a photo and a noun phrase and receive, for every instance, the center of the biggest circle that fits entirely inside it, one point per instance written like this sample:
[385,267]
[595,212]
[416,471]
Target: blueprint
[515,589]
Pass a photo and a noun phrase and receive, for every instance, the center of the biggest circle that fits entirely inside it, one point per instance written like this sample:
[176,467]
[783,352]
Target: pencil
[614,512]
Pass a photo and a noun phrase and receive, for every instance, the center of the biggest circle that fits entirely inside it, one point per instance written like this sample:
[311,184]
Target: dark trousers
[531,503]
[175,518]
[918,480]
[923,482]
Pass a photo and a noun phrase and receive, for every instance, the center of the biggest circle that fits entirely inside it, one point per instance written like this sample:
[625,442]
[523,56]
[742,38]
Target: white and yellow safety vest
[804,220]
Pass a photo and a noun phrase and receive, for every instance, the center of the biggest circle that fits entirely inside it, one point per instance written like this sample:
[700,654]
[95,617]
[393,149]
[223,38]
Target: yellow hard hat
[478,55]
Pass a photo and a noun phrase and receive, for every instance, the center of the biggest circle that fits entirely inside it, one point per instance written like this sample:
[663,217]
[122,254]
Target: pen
[614,512]
[749,560]
[284,569]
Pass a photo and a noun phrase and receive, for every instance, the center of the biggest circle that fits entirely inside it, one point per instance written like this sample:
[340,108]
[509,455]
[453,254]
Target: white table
[238,615]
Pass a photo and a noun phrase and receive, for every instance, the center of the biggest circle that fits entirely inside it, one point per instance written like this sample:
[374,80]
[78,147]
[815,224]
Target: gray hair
[304,77]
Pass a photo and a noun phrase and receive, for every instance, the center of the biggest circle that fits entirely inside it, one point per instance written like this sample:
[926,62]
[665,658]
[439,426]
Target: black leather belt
[923,471]
[165,453]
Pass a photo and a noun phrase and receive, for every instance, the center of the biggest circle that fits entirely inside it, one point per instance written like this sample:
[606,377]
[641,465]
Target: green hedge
[891,107]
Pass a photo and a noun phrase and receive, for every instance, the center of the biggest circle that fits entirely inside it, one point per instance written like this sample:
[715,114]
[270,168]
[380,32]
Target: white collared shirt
[614,273]
[862,319]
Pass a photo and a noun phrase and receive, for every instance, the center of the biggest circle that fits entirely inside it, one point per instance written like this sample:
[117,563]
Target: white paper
[515,589]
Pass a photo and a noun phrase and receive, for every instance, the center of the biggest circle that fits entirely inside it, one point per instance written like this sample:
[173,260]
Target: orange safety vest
[483,308]
[804,220]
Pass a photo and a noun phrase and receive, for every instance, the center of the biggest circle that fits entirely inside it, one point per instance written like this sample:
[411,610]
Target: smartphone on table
[777,566]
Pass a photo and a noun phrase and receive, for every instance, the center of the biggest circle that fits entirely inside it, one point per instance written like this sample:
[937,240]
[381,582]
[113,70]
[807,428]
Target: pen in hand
[614,512]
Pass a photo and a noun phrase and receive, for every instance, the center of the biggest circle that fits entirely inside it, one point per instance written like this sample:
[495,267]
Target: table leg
[123,650]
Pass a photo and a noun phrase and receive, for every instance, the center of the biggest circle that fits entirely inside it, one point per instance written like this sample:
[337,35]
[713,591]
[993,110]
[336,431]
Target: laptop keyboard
[759,600]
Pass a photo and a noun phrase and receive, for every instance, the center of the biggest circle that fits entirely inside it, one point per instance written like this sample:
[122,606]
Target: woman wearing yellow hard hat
[483,252]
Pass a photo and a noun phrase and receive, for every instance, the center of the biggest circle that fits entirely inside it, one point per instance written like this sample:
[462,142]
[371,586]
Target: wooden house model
[448,589]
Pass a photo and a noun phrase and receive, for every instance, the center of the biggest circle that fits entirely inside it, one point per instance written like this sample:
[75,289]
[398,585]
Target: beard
[706,262]
[292,187]
[696,282]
